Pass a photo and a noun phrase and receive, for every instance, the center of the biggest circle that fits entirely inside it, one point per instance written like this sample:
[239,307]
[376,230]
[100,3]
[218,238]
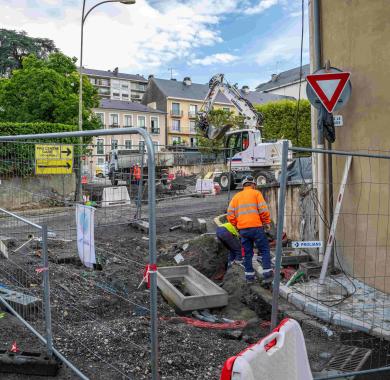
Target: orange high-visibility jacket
[248,209]
[137,172]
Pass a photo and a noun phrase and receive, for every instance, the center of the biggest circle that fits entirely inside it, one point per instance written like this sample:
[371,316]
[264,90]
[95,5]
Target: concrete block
[202,225]
[115,196]
[188,289]
[141,225]
[187,224]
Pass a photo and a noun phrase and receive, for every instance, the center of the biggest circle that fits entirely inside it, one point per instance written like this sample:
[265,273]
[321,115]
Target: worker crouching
[228,235]
[248,212]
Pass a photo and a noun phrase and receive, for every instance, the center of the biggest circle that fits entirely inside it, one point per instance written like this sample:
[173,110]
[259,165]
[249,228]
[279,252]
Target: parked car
[101,171]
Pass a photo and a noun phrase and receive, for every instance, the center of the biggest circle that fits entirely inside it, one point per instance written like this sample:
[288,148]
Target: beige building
[286,83]
[181,100]
[120,114]
[354,36]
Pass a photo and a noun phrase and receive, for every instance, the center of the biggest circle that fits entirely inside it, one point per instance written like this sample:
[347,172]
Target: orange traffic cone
[14,348]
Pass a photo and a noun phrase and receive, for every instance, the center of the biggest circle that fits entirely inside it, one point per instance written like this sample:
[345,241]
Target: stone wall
[38,191]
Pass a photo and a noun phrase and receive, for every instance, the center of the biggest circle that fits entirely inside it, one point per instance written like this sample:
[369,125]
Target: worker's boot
[268,277]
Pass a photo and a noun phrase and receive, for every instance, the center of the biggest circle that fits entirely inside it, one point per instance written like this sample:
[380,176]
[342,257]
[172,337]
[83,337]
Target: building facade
[181,100]
[121,114]
[117,86]
[286,83]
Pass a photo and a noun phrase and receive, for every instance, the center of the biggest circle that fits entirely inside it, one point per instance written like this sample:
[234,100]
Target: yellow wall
[356,38]
[185,132]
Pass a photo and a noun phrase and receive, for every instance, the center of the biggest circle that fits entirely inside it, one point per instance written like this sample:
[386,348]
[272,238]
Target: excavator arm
[253,119]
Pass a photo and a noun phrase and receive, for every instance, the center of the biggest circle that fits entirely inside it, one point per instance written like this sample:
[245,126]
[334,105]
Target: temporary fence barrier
[342,283]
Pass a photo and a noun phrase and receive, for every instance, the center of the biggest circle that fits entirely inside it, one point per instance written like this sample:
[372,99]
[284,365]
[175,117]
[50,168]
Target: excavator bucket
[214,133]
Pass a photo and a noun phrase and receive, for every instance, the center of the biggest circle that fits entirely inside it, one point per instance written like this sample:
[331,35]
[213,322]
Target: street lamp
[83,18]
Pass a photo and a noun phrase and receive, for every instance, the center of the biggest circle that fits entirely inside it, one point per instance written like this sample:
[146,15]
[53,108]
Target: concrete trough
[189,289]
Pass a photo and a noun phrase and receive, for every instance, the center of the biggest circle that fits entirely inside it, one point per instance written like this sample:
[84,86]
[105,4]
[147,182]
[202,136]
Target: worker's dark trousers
[230,242]
[257,236]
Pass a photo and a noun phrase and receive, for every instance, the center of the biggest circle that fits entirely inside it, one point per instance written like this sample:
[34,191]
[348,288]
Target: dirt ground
[101,317]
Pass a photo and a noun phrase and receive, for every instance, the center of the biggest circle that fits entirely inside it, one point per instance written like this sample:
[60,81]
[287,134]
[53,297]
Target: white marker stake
[329,244]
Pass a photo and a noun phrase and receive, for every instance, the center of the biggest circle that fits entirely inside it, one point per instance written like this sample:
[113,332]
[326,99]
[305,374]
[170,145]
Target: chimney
[245,89]
[115,71]
[187,81]
[274,77]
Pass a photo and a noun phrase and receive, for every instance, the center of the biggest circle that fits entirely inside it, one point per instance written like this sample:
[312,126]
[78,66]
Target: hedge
[280,121]
[18,158]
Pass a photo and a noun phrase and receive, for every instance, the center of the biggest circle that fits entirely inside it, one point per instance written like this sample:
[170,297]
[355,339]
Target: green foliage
[280,121]
[46,90]
[18,158]
[14,46]
[218,118]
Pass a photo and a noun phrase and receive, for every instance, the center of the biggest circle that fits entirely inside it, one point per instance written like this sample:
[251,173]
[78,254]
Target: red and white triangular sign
[328,87]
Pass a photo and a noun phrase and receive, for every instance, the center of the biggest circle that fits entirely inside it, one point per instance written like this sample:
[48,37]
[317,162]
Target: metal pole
[230,173]
[46,291]
[79,192]
[330,192]
[279,235]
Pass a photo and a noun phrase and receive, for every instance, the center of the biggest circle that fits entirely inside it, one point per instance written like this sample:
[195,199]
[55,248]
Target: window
[192,126]
[104,91]
[125,86]
[102,82]
[116,95]
[115,84]
[114,120]
[92,80]
[128,144]
[176,125]
[141,145]
[114,144]
[125,96]
[227,109]
[128,120]
[100,161]
[154,124]
[176,109]
[193,110]
[100,116]
[142,122]
[99,146]
[193,142]
[156,145]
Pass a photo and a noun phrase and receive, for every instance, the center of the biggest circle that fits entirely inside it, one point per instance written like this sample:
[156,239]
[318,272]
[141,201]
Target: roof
[126,106]
[195,91]
[110,74]
[256,97]
[177,89]
[284,78]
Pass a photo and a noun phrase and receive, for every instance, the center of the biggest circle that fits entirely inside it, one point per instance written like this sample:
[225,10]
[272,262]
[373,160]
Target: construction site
[121,271]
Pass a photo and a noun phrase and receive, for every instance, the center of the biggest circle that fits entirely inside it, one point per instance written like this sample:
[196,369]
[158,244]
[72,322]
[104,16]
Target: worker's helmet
[248,180]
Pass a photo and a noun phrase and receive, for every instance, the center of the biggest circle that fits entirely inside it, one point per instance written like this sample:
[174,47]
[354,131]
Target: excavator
[245,150]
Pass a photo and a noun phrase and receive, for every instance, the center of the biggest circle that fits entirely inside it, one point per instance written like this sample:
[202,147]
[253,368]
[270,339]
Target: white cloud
[138,37]
[260,7]
[215,58]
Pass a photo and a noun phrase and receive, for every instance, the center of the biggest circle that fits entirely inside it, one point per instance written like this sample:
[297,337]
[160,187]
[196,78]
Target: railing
[155,131]
[114,125]
[176,113]
[175,129]
[192,115]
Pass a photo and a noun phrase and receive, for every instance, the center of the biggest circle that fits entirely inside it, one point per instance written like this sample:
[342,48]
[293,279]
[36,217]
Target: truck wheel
[223,181]
[263,178]
[114,181]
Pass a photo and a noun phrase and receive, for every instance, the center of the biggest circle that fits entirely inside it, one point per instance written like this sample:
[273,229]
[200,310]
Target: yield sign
[328,87]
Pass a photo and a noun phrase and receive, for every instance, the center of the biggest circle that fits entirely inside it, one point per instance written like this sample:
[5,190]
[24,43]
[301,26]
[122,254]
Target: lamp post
[83,18]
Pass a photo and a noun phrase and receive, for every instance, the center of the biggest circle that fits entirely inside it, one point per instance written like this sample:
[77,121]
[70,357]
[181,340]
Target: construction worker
[228,235]
[137,173]
[249,213]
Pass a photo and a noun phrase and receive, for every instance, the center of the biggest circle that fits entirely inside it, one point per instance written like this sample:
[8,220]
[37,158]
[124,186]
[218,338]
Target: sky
[247,40]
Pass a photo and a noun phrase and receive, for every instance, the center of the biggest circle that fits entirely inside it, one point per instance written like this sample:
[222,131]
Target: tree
[280,121]
[218,118]
[14,46]
[46,90]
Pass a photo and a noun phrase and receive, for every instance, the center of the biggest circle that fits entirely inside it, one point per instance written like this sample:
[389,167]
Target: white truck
[245,150]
